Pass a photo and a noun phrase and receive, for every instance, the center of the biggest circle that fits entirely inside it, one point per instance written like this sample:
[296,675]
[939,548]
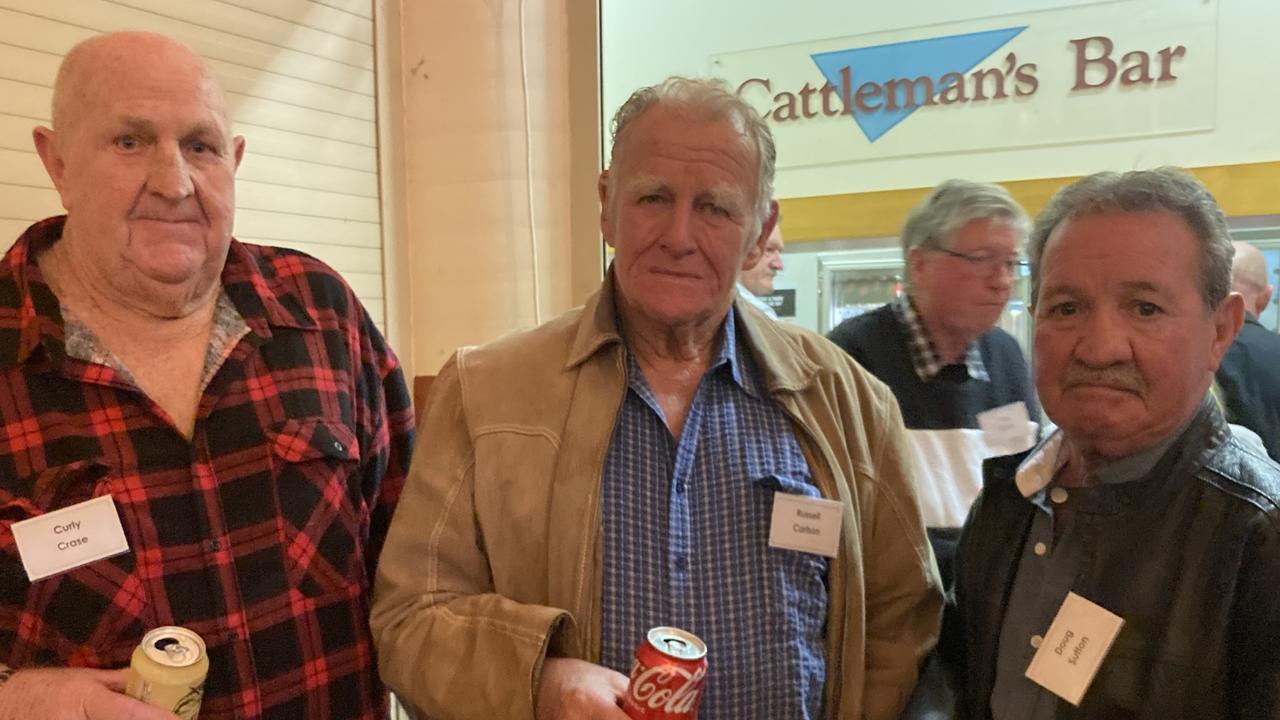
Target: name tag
[68,538]
[1007,429]
[1074,648]
[806,524]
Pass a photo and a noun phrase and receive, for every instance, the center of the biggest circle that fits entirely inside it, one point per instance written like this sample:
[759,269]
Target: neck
[126,298]
[656,345]
[952,346]
[152,313]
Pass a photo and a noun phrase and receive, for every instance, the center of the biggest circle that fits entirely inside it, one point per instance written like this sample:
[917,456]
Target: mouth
[675,274]
[169,221]
[1103,388]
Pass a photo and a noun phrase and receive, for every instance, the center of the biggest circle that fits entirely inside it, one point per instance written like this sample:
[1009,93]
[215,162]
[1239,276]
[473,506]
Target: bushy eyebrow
[145,127]
[1131,286]
[645,183]
[728,196]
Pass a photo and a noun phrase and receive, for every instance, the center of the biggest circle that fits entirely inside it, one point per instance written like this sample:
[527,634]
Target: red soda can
[667,677]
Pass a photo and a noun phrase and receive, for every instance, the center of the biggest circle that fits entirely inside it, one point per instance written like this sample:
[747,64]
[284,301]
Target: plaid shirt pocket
[323,515]
[88,616]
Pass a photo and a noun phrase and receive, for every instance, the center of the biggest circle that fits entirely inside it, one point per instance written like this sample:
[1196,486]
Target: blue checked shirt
[686,543]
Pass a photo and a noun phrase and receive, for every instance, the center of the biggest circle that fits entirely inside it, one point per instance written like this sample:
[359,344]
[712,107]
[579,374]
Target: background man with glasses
[962,383]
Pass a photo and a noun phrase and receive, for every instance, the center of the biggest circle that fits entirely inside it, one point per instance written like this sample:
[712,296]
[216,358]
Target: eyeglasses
[984,262]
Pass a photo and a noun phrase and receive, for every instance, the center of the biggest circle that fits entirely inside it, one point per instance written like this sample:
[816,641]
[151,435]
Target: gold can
[168,670]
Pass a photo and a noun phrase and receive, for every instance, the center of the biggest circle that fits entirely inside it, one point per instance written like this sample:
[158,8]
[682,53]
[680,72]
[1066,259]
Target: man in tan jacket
[665,455]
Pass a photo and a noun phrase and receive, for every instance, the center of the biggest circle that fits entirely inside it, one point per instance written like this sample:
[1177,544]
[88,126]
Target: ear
[51,156]
[755,250]
[1226,323]
[238,142]
[916,257]
[1264,299]
[606,225]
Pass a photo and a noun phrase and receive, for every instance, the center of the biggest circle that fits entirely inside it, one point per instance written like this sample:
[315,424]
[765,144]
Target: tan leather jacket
[493,558]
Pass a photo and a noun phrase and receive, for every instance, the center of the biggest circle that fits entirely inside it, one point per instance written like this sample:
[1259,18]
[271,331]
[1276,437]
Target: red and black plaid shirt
[261,533]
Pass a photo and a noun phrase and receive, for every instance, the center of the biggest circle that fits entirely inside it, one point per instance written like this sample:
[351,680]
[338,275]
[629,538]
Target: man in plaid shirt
[231,405]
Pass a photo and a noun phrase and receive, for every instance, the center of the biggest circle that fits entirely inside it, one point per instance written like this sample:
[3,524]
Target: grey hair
[1166,189]
[709,98]
[954,204]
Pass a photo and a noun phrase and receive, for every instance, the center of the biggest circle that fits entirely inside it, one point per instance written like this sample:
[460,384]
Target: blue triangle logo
[931,57]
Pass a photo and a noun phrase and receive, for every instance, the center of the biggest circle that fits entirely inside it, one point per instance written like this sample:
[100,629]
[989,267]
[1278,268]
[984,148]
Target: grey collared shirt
[1048,567]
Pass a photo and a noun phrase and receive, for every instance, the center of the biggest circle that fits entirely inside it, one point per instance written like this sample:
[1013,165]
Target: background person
[757,281]
[1249,376]
[962,382]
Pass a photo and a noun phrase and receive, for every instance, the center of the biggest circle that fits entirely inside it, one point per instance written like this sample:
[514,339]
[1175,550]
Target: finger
[115,680]
[123,707]
[618,683]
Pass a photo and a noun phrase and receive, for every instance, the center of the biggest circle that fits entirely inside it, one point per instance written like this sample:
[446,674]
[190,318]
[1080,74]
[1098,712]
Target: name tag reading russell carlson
[806,524]
[68,538]
[1074,648]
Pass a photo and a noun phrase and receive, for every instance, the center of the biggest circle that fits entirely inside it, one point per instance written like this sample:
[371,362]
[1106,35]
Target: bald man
[1249,375]
[756,282]
[197,431]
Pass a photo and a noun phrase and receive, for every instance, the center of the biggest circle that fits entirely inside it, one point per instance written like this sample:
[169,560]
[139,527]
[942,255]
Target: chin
[172,268]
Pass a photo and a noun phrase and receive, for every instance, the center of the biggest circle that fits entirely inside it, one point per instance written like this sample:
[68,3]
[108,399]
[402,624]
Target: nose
[1103,340]
[1002,277]
[678,235]
[169,175]
[776,263]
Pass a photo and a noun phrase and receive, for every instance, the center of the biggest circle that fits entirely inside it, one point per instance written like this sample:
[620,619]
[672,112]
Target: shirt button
[680,487]
[682,563]
[214,545]
[338,446]
[232,636]
[1036,640]
[1058,495]
[1041,548]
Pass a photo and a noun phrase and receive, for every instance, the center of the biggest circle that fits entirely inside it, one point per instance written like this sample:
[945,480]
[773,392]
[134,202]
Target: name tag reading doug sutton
[1074,648]
[806,524]
[68,538]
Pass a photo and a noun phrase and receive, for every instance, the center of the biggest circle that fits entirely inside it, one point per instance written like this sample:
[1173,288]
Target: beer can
[168,670]
[667,677]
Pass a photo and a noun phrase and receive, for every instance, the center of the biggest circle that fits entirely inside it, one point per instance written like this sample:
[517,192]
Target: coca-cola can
[667,677]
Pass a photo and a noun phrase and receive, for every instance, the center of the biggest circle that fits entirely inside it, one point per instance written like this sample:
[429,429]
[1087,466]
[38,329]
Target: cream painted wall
[644,42]
[499,163]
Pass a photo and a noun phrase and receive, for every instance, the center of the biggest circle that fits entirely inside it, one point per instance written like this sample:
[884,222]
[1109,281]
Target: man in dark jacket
[1140,541]
[1250,373]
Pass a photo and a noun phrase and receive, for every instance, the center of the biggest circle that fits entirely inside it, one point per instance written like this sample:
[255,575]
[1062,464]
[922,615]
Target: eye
[1063,309]
[199,147]
[649,199]
[1146,309]
[717,210]
[127,142]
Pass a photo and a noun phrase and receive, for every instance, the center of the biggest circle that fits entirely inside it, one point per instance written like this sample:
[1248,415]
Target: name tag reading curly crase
[1074,648]
[68,538]
[806,524]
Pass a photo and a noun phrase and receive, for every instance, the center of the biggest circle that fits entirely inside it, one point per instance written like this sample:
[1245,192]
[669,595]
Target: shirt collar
[924,355]
[1038,469]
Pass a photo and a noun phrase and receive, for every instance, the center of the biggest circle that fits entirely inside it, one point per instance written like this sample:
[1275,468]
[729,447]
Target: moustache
[1120,377]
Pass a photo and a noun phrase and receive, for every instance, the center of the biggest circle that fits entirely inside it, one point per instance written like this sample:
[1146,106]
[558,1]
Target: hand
[73,694]
[578,690]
